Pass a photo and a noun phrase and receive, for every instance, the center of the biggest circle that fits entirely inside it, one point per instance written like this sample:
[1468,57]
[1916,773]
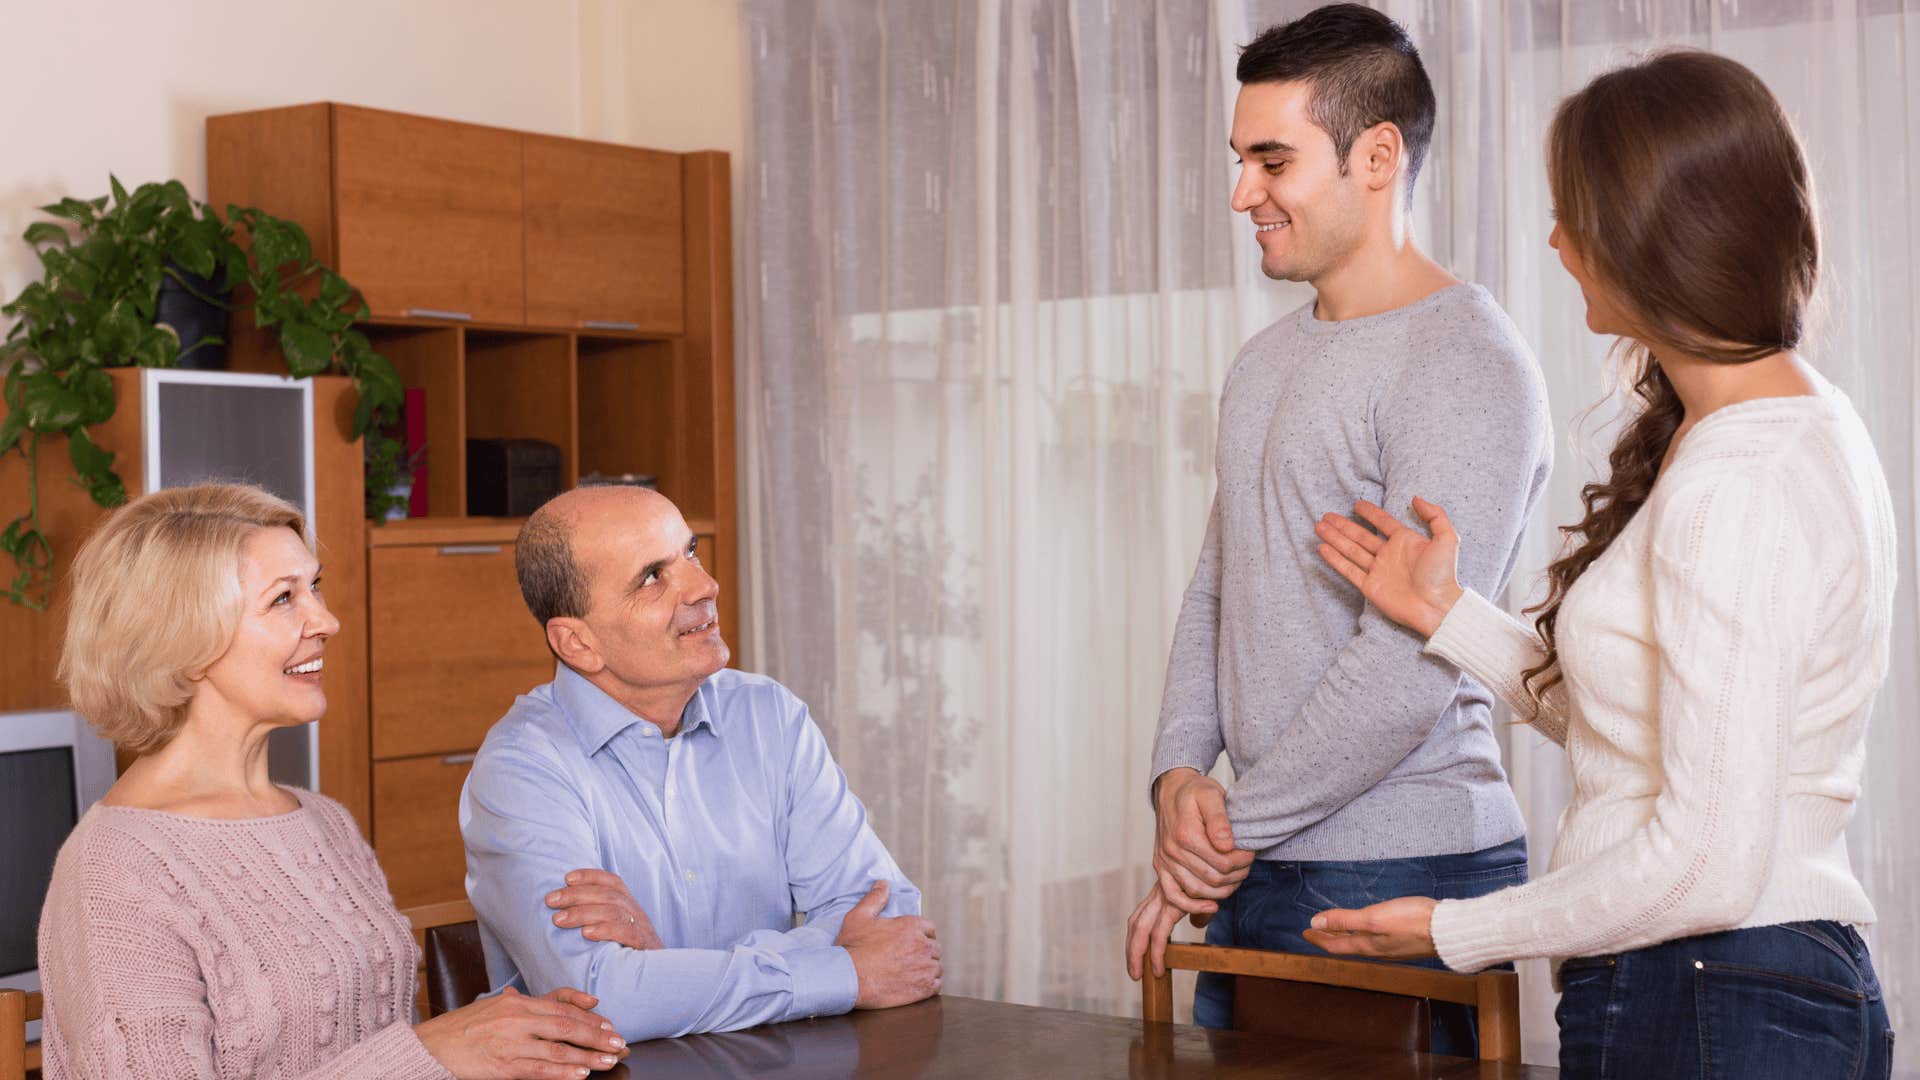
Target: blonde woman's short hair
[156,600]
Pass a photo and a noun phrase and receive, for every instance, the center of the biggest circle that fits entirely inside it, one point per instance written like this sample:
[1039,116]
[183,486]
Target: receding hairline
[567,508]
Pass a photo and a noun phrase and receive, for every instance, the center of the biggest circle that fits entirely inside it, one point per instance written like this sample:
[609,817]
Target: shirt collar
[596,717]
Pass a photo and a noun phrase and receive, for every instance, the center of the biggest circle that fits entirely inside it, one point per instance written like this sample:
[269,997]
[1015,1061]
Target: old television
[52,767]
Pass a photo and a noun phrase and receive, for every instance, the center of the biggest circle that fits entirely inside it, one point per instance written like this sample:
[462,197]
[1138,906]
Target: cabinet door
[452,646]
[604,244]
[429,215]
[416,827]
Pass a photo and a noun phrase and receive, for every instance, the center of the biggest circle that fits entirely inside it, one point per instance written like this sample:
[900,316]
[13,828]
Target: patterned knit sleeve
[126,992]
[1733,610]
[1480,638]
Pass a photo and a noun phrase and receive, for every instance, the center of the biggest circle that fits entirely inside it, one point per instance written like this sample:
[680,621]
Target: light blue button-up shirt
[723,834]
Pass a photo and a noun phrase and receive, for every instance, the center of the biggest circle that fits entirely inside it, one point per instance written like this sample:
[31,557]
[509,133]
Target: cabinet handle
[607,324]
[435,313]
[457,759]
[470,549]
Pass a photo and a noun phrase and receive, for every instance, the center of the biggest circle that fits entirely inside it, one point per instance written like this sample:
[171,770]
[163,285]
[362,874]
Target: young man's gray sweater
[1346,742]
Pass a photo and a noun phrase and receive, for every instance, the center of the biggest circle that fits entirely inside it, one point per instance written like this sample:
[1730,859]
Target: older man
[708,797]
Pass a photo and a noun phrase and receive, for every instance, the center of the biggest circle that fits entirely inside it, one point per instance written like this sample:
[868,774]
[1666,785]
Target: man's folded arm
[525,828]
[833,855]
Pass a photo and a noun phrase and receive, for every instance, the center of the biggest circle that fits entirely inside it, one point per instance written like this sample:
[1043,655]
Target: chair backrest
[455,964]
[17,1007]
[1331,999]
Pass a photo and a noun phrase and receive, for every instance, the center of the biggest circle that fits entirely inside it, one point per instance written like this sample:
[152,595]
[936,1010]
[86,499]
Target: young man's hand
[1193,852]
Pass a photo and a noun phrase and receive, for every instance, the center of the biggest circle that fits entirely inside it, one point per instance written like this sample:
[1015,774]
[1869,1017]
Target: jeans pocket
[1586,993]
[1474,883]
[1760,1023]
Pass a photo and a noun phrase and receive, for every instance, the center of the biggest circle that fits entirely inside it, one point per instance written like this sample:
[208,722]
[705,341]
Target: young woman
[1714,636]
[202,920]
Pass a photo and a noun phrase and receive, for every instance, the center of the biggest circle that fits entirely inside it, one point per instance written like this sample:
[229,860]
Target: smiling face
[652,620]
[271,671]
[1308,216]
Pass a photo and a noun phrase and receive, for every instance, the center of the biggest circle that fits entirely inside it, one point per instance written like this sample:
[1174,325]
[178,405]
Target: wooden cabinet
[416,802]
[424,215]
[452,644]
[604,246]
[429,214]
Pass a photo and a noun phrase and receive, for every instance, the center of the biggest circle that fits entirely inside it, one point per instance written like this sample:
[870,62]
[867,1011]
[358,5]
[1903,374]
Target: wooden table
[987,1040]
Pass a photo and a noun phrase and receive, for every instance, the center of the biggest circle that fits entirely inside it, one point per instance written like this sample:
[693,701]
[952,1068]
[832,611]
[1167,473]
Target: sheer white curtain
[991,288]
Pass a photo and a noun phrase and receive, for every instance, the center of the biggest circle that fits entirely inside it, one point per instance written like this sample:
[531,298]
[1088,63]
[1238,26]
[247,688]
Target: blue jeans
[1797,1001]
[1279,899]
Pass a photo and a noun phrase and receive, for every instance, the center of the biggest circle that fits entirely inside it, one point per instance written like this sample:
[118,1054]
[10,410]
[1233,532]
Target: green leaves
[276,244]
[94,389]
[74,210]
[48,405]
[46,232]
[11,428]
[87,457]
[93,308]
[95,467]
[116,334]
[309,350]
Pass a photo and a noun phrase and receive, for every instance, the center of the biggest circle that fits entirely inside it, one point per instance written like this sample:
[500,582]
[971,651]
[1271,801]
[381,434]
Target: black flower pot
[194,319]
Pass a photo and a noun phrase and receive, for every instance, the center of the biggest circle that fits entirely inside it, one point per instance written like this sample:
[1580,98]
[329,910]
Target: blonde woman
[1712,639]
[202,920]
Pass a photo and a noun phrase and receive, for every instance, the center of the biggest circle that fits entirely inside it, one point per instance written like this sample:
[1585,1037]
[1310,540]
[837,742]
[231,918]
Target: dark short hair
[550,580]
[1363,70]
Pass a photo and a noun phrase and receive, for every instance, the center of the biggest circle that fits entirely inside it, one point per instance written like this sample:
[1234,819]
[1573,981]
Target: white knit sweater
[1719,661]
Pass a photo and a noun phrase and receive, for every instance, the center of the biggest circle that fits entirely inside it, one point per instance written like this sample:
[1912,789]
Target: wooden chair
[455,965]
[1330,999]
[17,1008]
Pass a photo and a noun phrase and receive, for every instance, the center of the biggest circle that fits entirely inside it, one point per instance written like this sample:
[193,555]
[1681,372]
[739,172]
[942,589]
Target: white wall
[664,73]
[93,86]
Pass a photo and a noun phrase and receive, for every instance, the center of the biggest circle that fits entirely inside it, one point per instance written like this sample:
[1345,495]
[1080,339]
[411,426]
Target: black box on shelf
[510,477]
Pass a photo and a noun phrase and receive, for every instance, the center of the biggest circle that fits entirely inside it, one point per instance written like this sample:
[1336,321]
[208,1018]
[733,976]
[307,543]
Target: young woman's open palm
[1410,577]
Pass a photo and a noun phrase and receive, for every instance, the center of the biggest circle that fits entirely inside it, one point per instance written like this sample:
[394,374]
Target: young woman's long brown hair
[1680,184]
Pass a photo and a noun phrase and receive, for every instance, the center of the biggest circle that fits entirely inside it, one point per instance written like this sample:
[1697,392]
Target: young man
[1363,769]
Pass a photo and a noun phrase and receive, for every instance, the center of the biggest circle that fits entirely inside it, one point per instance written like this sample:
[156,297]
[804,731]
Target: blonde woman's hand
[511,1036]
[1409,575]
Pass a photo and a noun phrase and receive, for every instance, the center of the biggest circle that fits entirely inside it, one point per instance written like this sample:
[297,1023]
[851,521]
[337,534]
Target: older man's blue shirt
[724,834]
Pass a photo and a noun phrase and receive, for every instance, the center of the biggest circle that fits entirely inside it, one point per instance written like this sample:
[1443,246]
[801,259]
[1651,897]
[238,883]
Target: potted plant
[104,263]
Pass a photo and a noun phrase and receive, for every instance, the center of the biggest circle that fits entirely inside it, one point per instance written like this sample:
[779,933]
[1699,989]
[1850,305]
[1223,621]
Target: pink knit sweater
[176,946]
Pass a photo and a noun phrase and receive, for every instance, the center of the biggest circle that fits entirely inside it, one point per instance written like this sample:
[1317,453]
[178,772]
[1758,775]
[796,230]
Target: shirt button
[689,875]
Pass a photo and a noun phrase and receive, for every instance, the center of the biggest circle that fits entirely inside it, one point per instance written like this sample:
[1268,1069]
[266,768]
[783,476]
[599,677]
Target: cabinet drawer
[604,236]
[429,214]
[451,643]
[416,827]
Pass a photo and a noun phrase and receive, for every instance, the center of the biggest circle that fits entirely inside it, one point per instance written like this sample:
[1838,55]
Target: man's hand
[897,959]
[598,903]
[1148,931]
[1193,852]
